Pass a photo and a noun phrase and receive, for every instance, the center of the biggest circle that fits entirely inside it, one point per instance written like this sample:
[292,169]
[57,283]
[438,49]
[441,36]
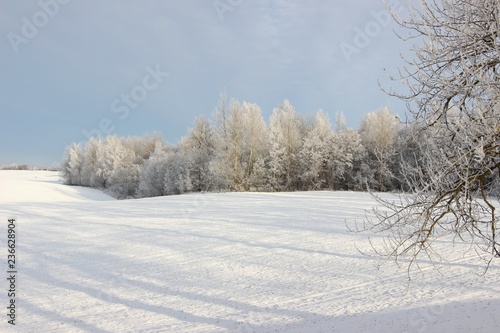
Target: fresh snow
[225,262]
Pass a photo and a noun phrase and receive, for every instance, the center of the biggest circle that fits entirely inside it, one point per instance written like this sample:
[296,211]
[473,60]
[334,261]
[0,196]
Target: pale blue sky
[71,66]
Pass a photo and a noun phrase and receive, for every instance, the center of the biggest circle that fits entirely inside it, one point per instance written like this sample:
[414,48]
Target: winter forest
[237,150]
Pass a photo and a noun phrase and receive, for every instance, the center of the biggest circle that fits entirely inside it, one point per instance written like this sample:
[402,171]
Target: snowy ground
[237,262]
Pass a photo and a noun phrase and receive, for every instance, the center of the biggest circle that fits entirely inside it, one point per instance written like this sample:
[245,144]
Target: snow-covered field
[235,262]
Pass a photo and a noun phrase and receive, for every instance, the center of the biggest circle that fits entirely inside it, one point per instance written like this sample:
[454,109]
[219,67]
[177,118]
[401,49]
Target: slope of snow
[42,186]
[235,262]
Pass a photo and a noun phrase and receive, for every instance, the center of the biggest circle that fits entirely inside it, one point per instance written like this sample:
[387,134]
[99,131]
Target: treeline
[15,166]
[19,166]
[237,150]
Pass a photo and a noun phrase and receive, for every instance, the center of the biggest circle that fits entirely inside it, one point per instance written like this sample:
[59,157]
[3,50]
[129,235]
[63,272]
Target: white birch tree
[255,147]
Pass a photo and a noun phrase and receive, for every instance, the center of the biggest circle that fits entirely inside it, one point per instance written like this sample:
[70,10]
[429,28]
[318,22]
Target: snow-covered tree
[120,172]
[258,179]
[254,146]
[316,154]
[177,179]
[152,173]
[379,130]
[348,159]
[228,165]
[91,174]
[144,146]
[454,95]
[286,141]
[340,122]
[71,170]
[199,148]
[242,139]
